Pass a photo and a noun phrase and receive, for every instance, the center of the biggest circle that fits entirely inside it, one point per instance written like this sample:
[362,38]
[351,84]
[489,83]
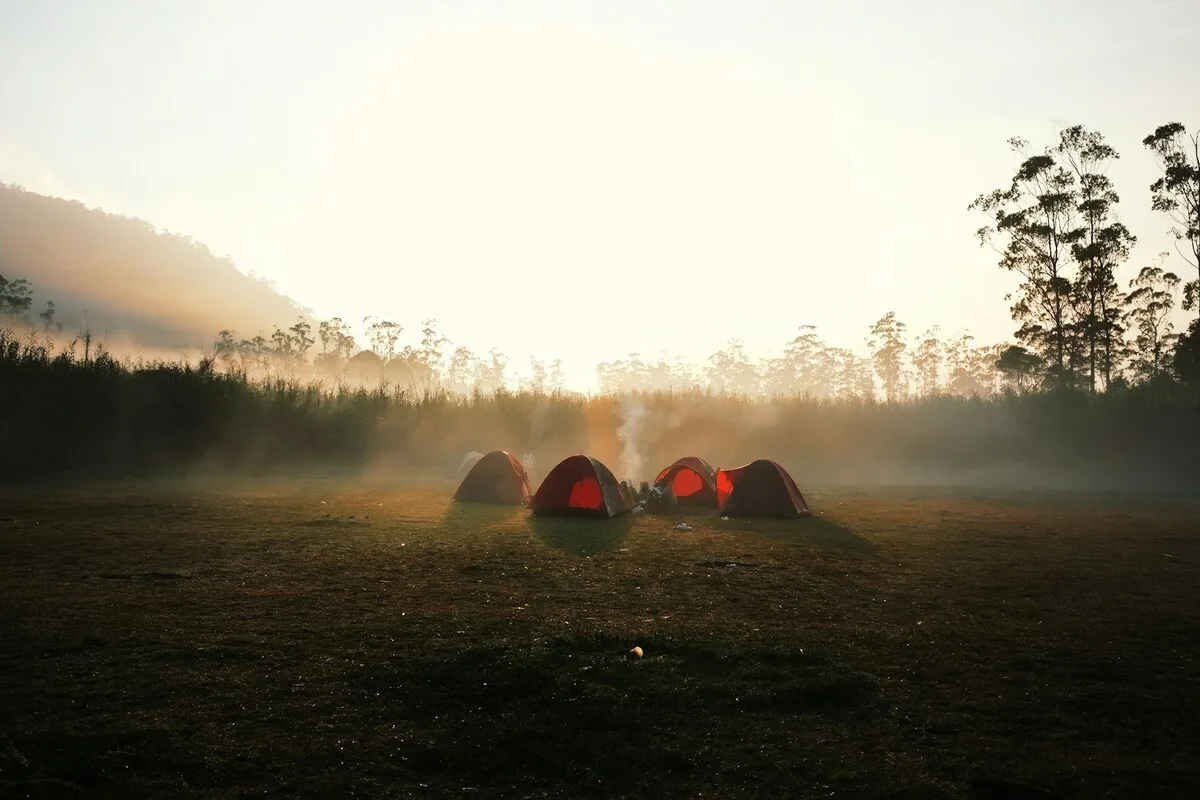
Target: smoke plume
[632,414]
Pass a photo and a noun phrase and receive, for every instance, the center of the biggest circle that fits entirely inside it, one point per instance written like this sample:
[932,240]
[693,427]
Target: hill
[138,285]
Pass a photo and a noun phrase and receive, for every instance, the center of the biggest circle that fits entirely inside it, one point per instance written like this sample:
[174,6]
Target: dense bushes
[68,415]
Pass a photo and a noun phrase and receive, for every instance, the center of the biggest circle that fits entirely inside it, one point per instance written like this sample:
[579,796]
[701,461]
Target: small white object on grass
[681,526]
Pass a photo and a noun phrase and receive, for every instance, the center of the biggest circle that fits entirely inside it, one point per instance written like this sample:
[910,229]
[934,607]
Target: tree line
[1055,224]
[806,365]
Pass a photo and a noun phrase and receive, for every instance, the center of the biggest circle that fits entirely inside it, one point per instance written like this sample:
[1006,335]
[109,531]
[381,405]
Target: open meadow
[330,637]
[268,281]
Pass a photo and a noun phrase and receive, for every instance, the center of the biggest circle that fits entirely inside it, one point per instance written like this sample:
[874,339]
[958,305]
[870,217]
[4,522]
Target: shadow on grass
[329,521]
[814,530]
[479,516]
[68,764]
[581,536]
[569,713]
[701,513]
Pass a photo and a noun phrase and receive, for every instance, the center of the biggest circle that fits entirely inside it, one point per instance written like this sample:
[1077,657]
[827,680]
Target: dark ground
[324,640]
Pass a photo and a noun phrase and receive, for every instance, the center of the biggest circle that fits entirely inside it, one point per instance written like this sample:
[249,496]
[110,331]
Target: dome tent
[580,486]
[692,480]
[761,488]
[498,477]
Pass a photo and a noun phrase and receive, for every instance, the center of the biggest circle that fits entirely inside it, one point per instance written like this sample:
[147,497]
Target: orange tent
[759,489]
[498,477]
[693,481]
[580,486]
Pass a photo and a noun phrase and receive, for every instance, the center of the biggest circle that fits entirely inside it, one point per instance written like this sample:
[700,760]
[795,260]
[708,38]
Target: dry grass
[322,639]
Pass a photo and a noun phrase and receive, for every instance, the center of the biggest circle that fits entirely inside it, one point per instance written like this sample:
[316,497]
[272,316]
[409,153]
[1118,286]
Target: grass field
[328,639]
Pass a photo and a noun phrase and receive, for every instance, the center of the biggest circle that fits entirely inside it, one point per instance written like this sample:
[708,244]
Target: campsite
[599,400]
[333,637]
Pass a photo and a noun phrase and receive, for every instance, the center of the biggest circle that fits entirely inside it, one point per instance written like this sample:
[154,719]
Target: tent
[580,486]
[759,489]
[693,481]
[498,477]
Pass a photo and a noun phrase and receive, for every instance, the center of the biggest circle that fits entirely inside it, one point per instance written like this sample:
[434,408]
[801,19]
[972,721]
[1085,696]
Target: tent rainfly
[693,481]
[498,477]
[761,488]
[580,486]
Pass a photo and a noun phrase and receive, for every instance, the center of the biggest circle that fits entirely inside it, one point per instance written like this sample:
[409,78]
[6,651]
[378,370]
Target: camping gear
[761,488]
[661,498]
[692,480]
[580,486]
[498,477]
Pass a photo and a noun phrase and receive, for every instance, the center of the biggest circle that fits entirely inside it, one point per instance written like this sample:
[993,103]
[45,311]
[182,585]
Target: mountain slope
[135,284]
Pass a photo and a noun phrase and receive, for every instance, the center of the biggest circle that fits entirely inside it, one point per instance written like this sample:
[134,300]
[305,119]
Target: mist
[155,359]
[140,289]
[949,443]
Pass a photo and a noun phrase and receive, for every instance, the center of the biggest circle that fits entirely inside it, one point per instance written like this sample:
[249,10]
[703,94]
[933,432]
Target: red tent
[580,486]
[498,477]
[692,480]
[759,489]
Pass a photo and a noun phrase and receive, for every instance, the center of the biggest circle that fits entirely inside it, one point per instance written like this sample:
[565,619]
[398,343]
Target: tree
[16,298]
[611,376]
[887,350]
[461,371]
[407,368]
[256,351]
[47,316]
[537,377]
[988,377]
[1177,194]
[490,374]
[1032,221]
[226,347]
[1186,359]
[1019,366]
[852,374]
[628,375]
[1099,243]
[292,345]
[383,336]
[1148,305]
[337,345]
[927,360]
[430,352]
[806,366]
[555,381]
[731,370]
[365,365]
[659,374]
[961,365]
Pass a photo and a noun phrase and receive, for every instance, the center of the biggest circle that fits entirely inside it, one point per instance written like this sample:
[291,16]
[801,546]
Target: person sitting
[661,498]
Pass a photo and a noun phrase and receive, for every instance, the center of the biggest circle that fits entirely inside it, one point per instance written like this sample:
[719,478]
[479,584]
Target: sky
[586,180]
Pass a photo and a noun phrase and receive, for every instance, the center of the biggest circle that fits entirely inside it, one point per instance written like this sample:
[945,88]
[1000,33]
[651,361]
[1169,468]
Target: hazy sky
[586,180]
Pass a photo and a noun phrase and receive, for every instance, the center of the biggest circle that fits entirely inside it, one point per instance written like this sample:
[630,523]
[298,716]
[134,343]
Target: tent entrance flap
[586,494]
